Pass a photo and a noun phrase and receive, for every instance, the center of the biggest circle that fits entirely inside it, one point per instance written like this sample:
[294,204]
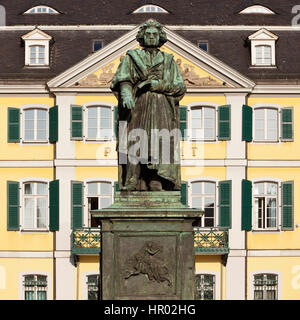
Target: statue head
[151,34]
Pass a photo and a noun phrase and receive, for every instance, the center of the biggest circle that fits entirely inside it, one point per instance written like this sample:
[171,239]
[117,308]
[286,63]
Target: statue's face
[151,37]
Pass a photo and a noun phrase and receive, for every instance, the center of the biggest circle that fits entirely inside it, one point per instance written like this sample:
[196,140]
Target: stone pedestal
[147,248]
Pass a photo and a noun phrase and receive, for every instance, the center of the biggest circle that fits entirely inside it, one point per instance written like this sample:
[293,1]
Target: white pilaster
[236,147]
[235,278]
[65,147]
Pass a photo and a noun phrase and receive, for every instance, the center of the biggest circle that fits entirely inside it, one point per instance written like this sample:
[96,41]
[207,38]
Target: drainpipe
[54,232]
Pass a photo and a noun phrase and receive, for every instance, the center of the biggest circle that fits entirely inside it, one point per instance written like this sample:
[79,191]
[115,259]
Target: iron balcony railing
[206,241]
[86,241]
[212,241]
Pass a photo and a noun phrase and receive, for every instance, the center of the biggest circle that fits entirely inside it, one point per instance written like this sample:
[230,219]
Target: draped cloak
[153,110]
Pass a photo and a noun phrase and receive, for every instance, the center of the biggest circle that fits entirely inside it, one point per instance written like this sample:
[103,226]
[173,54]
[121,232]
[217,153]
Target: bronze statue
[149,86]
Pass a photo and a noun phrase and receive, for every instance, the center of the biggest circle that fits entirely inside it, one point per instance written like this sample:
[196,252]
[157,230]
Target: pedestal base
[147,249]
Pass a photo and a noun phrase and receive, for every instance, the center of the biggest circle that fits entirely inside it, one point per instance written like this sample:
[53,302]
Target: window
[263,55]
[257,9]
[266,124]
[203,45]
[99,123]
[265,287]
[37,55]
[93,282]
[150,8]
[97,45]
[263,48]
[266,205]
[99,197]
[203,123]
[205,286]
[35,287]
[36,48]
[35,205]
[41,10]
[204,197]
[35,125]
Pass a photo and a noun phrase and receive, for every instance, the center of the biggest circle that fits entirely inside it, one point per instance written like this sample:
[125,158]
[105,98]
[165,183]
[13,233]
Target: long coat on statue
[153,110]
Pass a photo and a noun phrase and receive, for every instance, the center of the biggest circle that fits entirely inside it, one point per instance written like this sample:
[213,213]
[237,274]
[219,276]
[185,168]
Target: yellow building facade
[54,170]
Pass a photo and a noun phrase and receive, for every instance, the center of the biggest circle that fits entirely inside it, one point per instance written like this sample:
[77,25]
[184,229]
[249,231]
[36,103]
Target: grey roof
[69,47]
[197,12]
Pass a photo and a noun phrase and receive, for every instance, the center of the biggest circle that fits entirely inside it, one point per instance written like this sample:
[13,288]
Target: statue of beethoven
[149,86]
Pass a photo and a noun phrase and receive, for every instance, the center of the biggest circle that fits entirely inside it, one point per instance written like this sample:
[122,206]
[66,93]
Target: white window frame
[37,53]
[264,57]
[46,9]
[22,123]
[35,272]
[37,37]
[267,107]
[263,38]
[200,104]
[86,218]
[217,281]
[85,120]
[84,292]
[150,8]
[265,271]
[278,207]
[189,193]
[22,203]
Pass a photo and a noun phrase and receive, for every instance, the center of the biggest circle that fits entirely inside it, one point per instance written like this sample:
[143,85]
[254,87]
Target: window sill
[35,231]
[266,141]
[266,230]
[38,66]
[98,140]
[262,67]
[34,142]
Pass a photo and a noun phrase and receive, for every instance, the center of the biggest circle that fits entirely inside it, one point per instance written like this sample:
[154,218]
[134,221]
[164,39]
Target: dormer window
[263,48]
[36,48]
[41,10]
[257,9]
[150,8]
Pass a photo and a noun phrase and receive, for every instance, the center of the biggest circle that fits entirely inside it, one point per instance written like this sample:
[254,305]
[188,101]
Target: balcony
[213,241]
[86,241]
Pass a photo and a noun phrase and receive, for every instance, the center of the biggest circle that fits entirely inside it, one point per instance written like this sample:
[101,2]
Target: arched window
[99,195]
[265,124]
[35,287]
[92,284]
[35,213]
[263,55]
[203,123]
[265,286]
[99,123]
[41,10]
[205,286]
[150,8]
[266,205]
[35,125]
[257,9]
[203,196]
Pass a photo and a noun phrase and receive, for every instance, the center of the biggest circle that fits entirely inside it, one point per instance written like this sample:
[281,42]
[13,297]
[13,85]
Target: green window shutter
[13,133]
[184,190]
[54,205]
[76,122]
[224,122]
[225,204]
[247,123]
[53,124]
[287,215]
[246,205]
[183,121]
[116,122]
[287,124]
[117,188]
[13,205]
[77,204]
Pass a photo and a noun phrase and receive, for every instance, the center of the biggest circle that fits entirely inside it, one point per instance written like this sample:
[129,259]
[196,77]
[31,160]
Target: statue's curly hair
[151,23]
